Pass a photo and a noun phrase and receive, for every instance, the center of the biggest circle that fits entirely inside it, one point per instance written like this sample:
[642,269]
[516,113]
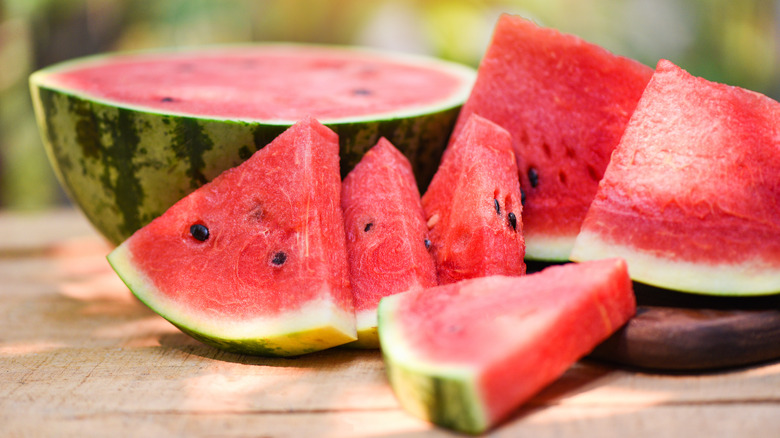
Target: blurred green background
[731,41]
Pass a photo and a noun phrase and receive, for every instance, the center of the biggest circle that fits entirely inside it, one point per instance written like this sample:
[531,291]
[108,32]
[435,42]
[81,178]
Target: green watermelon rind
[446,395]
[112,159]
[741,278]
[315,327]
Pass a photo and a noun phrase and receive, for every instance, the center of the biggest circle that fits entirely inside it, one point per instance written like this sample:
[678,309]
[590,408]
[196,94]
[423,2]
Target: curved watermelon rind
[314,327]
[738,279]
[112,159]
[444,395]
[116,179]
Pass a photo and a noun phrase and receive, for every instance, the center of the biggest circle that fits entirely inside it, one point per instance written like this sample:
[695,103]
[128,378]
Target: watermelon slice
[691,198]
[119,126]
[473,206]
[566,103]
[465,355]
[386,234]
[254,262]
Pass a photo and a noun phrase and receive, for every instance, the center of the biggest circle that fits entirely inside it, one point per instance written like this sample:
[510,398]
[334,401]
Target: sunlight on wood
[28,348]
[560,420]
[146,332]
[82,245]
[225,392]
[104,286]
[620,398]
[88,278]
[391,423]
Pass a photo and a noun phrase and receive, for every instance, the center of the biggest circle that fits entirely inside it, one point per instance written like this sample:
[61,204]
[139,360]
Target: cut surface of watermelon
[386,232]
[118,126]
[691,197]
[465,355]
[255,261]
[473,206]
[275,83]
[566,103]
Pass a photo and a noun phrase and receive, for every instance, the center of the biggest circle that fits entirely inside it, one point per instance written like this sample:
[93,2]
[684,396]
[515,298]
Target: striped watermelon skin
[113,160]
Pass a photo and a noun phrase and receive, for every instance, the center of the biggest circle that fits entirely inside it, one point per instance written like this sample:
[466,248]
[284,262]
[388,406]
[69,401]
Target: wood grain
[79,356]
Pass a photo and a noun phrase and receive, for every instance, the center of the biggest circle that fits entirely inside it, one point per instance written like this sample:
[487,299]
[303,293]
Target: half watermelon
[566,103]
[465,355]
[117,127]
[473,206]
[255,261]
[386,232]
[691,197]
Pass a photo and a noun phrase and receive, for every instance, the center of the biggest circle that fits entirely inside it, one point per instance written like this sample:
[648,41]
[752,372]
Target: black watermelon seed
[199,232]
[279,258]
[498,207]
[533,176]
[361,92]
[368,227]
[512,220]
[166,99]
[454,328]
[522,196]
[257,212]
[427,244]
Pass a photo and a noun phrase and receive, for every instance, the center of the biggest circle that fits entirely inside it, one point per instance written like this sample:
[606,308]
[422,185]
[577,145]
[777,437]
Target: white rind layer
[549,248]
[739,279]
[320,315]
[366,319]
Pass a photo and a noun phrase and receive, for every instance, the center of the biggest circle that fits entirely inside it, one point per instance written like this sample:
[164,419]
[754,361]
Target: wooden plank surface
[79,356]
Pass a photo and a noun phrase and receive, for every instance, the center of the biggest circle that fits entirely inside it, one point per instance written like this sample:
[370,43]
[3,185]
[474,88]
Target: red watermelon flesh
[386,232]
[691,198]
[566,103]
[255,261]
[473,206]
[282,82]
[465,355]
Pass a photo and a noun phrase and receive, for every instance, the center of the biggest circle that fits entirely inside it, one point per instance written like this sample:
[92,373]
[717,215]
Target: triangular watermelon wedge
[566,103]
[386,233]
[473,206]
[465,355]
[691,197]
[255,261]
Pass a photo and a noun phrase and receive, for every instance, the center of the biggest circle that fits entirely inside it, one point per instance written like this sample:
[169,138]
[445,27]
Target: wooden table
[79,356]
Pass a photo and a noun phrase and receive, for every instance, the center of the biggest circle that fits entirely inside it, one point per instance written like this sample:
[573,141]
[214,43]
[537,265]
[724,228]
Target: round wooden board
[675,331]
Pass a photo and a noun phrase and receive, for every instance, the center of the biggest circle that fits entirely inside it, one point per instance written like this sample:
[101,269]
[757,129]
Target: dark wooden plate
[674,331]
[686,332]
